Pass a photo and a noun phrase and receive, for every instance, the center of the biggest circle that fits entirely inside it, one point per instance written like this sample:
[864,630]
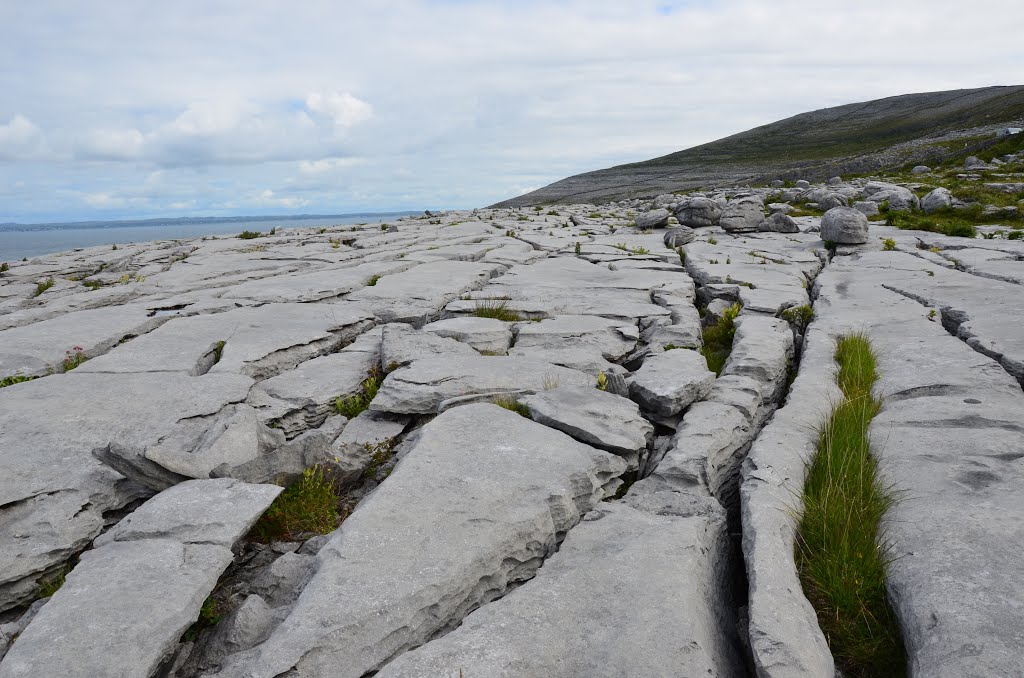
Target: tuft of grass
[718,338]
[353,405]
[43,286]
[938,222]
[495,308]
[14,379]
[372,281]
[799,317]
[308,505]
[888,245]
[513,405]
[50,585]
[712,240]
[4,267]
[250,235]
[841,553]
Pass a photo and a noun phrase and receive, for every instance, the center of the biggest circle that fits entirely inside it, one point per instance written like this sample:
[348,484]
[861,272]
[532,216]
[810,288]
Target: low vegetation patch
[51,584]
[43,286]
[495,308]
[841,553]
[73,358]
[718,338]
[799,317]
[250,235]
[947,223]
[351,406]
[310,505]
[513,405]
[14,379]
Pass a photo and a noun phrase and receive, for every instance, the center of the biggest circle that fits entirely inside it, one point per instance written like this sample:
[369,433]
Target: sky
[123,109]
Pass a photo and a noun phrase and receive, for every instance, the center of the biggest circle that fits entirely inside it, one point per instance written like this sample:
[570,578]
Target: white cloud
[103,200]
[466,104]
[20,138]
[344,109]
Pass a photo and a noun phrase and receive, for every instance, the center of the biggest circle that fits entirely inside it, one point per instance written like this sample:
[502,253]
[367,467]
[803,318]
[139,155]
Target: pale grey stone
[486,335]
[844,226]
[679,236]
[742,215]
[920,169]
[462,522]
[779,222]
[869,208]
[613,339]
[401,345]
[569,620]
[595,417]
[938,199]
[656,218]
[421,387]
[696,212]
[830,200]
[668,382]
[899,198]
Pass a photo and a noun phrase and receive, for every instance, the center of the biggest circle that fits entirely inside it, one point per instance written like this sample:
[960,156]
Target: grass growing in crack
[495,308]
[14,379]
[841,553]
[50,585]
[718,338]
[43,286]
[73,358]
[307,505]
[799,317]
[372,281]
[209,615]
[351,406]
[512,405]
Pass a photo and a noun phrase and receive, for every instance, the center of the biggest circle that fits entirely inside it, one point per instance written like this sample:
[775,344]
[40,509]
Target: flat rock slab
[35,348]
[622,582]
[258,341]
[123,608]
[53,493]
[451,528]
[595,417]
[402,345]
[668,382]
[322,284]
[421,387]
[486,335]
[421,292]
[613,339]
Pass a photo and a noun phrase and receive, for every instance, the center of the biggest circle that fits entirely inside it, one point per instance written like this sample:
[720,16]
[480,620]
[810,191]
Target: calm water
[17,242]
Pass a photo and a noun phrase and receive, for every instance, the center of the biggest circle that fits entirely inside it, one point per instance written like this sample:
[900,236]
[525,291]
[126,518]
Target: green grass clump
[50,585]
[14,379]
[353,405]
[372,281]
[43,286]
[799,316]
[888,245]
[513,405]
[841,554]
[718,338]
[308,505]
[4,267]
[939,222]
[495,308]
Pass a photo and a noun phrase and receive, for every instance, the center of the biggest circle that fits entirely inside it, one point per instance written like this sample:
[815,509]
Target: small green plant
[593,215]
[712,240]
[73,358]
[114,247]
[351,406]
[218,351]
[671,347]
[372,281]
[538,208]
[93,284]
[931,314]
[578,249]
[384,227]
[799,317]
[682,256]
[15,379]
[888,245]
[495,308]
[4,267]
[1012,235]
[321,231]
[931,273]
[51,584]
[602,381]
[513,405]
[718,338]
[523,218]
[728,260]
[309,505]
[380,452]
[250,235]
[209,615]
[553,213]
[43,286]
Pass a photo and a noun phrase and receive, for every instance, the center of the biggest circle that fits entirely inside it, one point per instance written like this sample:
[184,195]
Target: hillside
[859,137]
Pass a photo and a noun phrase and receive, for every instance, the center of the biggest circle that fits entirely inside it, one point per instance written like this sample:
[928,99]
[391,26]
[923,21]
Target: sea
[19,241]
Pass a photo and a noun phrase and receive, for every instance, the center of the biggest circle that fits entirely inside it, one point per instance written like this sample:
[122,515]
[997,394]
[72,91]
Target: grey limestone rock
[867,207]
[668,382]
[486,335]
[899,198]
[844,226]
[920,169]
[401,345]
[938,199]
[743,215]
[656,218]
[779,222]
[462,522]
[679,236]
[697,212]
[610,337]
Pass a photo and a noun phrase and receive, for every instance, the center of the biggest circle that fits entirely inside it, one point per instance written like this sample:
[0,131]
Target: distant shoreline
[188,221]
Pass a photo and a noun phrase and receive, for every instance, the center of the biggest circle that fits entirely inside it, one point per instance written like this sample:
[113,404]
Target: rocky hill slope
[855,138]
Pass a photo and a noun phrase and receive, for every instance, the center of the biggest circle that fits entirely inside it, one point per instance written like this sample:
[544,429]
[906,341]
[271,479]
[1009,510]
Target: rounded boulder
[844,226]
